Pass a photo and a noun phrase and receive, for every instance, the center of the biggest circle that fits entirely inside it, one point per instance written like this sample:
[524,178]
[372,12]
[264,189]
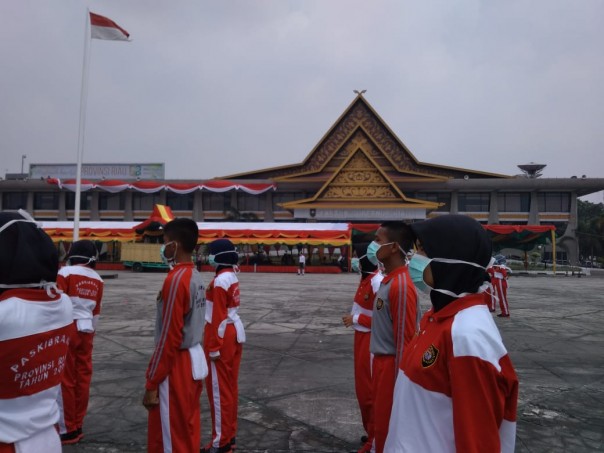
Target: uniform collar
[397,271]
[455,307]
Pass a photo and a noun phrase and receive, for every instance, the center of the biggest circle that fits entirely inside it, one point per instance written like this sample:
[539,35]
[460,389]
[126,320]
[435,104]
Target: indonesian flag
[104,28]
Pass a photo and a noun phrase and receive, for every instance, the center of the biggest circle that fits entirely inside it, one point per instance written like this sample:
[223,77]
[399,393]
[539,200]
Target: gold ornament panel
[363,192]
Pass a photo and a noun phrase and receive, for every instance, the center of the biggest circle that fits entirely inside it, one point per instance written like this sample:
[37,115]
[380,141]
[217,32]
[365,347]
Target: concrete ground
[296,383]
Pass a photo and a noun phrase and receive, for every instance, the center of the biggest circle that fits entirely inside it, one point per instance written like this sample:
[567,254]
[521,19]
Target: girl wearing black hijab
[456,389]
[35,328]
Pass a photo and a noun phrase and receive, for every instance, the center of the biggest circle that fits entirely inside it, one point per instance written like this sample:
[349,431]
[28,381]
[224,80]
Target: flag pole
[82,127]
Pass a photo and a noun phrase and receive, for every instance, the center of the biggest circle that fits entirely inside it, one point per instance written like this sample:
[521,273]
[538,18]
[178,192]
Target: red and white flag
[104,28]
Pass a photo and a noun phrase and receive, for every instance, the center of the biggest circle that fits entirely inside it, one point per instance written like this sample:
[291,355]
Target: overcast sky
[213,88]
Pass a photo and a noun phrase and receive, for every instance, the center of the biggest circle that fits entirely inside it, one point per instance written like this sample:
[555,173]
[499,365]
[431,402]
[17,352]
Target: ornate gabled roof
[360,122]
[359,182]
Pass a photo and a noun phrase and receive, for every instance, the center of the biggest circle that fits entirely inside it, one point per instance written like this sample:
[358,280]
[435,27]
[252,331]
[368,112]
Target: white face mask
[89,258]
[26,218]
[418,264]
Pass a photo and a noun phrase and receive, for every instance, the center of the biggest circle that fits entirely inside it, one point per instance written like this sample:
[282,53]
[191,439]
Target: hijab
[27,254]
[456,237]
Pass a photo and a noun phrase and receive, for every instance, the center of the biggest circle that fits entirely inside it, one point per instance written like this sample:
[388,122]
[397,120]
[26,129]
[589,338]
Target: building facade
[360,171]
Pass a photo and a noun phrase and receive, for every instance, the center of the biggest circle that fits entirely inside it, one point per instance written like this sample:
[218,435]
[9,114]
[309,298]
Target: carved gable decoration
[359,183]
[359,179]
[359,119]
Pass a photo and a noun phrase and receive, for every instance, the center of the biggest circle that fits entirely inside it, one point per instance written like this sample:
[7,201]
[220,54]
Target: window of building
[180,202]
[46,200]
[514,202]
[473,202]
[14,200]
[85,201]
[554,201]
[145,201]
[248,202]
[284,197]
[436,197]
[213,201]
[111,201]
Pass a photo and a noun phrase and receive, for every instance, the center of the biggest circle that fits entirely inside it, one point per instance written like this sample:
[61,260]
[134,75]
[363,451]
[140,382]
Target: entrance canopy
[523,237]
[335,234]
[159,217]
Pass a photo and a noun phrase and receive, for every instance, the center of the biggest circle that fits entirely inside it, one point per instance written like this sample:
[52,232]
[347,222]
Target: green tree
[590,231]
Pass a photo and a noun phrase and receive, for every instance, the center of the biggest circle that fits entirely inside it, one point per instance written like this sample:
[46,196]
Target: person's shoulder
[225,279]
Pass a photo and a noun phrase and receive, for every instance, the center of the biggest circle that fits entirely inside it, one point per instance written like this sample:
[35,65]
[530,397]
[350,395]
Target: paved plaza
[297,386]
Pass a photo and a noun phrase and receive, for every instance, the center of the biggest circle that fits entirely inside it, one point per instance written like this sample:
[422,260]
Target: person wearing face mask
[394,318]
[34,316]
[178,366]
[84,286]
[360,320]
[456,388]
[223,341]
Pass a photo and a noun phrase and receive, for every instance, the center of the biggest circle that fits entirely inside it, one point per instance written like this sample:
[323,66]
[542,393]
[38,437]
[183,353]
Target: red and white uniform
[499,280]
[85,289]
[393,325]
[35,330]
[177,365]
[224,336]
[456,390]
[361,312]
[490,297]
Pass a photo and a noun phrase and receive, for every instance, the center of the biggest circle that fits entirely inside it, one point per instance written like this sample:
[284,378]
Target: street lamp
[23,157]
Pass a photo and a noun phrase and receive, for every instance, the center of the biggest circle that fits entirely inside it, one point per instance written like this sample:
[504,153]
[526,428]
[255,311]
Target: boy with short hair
[84,286]
[394,318]
[177,366]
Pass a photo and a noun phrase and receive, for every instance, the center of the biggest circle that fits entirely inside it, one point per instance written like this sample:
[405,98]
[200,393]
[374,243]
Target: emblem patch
[379,304]
[429,357]
[366,297]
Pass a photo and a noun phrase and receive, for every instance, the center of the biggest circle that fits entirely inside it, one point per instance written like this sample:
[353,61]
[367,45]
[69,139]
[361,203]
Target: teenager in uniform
[223,341]
[499,280]
[301,263]
[490,297]
[177,366]
[456,390]
[34,316]
[84,287]
[360,320]
[394,318]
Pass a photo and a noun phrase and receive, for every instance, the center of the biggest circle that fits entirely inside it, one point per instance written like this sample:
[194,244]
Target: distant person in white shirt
[302,263]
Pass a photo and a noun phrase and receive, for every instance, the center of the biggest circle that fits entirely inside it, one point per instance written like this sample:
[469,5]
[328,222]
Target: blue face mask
[355,264]
[418,264]
[372,250]
[162,254]
[212,258]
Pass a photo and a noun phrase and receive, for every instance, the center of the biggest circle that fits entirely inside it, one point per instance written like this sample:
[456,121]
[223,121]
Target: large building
[360,171]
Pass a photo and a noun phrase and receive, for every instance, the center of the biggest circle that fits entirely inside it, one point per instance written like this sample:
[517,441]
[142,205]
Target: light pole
[23,157]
